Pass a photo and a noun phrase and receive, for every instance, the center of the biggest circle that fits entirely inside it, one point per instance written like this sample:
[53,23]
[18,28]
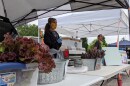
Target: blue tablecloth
[11,66]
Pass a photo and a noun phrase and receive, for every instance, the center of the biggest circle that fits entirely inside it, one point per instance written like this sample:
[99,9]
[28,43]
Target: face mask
[53,26]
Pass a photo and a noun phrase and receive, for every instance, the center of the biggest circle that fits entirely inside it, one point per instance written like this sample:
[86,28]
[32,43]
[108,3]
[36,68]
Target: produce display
[93,54]
[26,50]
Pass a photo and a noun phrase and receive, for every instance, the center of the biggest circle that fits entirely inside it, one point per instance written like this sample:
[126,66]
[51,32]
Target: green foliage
[91,45]
[85,43]
[28,30]
[103,44]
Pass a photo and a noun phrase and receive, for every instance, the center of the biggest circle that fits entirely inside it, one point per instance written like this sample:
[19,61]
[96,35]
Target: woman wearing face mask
[51,37]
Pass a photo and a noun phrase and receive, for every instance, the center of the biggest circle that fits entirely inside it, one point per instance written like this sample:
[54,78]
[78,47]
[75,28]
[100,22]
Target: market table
[108,71]
[77,80]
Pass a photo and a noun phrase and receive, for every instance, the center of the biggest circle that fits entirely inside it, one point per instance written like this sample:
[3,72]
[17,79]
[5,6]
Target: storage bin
[18,74]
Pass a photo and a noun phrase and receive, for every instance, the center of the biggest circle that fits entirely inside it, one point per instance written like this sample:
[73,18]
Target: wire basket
[57,74]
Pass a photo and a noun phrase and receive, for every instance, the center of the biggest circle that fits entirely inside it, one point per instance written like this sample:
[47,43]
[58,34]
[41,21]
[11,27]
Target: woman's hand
[59,40]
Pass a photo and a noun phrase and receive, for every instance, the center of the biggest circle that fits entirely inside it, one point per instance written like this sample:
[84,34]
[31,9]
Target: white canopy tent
[92,23]
[23,11]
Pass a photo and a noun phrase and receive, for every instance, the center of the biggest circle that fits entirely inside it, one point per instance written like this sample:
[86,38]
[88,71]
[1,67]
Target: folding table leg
[127,73]
[119,80]
[102,83]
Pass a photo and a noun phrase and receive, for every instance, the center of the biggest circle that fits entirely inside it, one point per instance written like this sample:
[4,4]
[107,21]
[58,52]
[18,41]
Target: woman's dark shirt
[50,39]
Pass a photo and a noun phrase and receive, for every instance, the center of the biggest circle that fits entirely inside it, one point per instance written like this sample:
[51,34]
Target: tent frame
[102,26]
[129,19]
[126,6]
[93,4]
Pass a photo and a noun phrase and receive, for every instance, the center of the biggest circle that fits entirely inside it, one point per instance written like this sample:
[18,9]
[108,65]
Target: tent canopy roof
[19,11]
[92,23]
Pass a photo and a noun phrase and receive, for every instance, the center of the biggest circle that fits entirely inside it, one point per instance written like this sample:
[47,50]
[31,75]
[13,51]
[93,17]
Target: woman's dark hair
[100,35]
[47,27]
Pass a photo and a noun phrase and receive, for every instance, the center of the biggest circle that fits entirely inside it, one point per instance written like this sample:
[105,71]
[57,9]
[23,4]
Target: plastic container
[18,74]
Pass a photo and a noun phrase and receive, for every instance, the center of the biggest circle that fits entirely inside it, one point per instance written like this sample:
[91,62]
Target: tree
[85,43]
[91,45]
[104,43]
[28,30]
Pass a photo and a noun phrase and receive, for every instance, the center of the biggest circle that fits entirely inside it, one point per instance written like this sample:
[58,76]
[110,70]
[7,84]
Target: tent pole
[120,3]
[129,20]
[118,34]
[5,12]
[118,40]
[34,10]
[101,4]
